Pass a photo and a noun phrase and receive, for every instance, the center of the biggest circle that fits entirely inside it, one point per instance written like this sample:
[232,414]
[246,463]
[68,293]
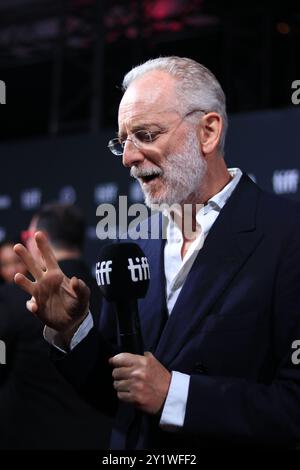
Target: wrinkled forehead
[148,96]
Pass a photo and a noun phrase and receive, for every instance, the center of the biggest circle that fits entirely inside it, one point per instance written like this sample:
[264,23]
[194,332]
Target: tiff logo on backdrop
[286,181]
[2,92]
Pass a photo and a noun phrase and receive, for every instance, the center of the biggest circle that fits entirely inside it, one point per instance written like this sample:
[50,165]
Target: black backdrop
[81,169]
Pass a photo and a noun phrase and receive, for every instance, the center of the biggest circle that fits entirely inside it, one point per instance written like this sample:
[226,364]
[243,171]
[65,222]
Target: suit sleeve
[247,412]
[86,367]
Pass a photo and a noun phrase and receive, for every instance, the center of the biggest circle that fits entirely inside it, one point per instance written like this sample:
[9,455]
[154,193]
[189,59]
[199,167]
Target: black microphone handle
[129,326]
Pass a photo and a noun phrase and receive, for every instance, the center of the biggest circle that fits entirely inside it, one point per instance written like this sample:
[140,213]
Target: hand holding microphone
[62,303]
[123,277]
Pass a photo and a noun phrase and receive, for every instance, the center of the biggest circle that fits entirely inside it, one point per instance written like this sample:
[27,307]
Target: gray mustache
[139,173]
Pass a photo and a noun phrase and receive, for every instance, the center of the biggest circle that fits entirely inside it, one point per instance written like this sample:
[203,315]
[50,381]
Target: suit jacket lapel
[230,242]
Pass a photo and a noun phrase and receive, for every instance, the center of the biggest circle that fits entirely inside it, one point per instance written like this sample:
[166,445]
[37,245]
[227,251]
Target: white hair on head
[198,88]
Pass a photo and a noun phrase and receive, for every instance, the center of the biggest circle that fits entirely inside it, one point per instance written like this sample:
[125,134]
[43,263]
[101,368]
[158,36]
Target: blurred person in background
[10,263]
[38,408]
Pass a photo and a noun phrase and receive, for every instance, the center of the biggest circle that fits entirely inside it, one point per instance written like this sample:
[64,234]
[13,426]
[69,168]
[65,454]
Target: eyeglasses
[142,139]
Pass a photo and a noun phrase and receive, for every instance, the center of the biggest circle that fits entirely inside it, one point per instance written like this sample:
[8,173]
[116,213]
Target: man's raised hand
[61,303]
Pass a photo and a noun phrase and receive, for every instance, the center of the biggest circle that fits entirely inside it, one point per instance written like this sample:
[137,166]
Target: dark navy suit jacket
[231,329]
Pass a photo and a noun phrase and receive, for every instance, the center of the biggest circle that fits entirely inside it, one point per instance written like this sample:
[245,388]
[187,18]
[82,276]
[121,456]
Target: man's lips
[148,178]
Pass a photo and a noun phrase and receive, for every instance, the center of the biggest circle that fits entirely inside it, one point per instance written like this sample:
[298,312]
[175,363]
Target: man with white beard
[222,310]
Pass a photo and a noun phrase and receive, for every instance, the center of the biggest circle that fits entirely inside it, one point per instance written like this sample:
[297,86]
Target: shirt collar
[219,200]
[216,202]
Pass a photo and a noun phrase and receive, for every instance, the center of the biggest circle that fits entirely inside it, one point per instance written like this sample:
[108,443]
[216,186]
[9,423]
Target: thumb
[148,354]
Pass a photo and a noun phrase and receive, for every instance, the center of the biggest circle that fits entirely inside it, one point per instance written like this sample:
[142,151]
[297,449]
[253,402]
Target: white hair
[197,88]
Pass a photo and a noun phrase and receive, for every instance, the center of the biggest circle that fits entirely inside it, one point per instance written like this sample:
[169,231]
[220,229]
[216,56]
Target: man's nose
[131,154]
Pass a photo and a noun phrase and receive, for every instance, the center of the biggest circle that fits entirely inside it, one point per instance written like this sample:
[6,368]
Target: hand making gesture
[61,303]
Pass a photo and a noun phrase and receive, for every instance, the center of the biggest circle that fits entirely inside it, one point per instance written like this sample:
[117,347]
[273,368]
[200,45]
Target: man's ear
[210,132]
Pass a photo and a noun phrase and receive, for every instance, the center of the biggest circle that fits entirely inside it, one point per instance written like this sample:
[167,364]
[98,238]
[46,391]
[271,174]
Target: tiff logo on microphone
[141,269]
[2,92]
[102,272]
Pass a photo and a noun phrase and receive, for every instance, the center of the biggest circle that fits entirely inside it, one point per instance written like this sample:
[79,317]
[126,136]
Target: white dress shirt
[176,271]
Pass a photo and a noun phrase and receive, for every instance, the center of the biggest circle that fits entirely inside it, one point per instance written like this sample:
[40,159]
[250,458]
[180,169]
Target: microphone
[123,276]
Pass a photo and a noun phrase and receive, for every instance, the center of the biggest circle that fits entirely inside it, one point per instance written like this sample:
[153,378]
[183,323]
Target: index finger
[46,251]
[31,265]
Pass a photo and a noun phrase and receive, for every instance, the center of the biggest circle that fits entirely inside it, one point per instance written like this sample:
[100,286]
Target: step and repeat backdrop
[81,170]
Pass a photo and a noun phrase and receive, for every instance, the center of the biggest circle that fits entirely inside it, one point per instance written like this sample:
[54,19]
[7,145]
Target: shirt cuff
[53,337]
[173,413]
